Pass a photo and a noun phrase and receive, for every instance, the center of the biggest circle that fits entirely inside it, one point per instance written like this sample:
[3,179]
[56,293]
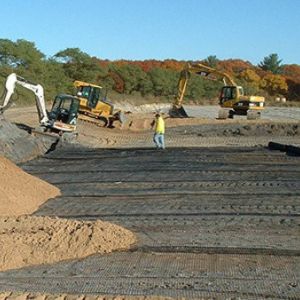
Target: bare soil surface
[36,296]
[202,129]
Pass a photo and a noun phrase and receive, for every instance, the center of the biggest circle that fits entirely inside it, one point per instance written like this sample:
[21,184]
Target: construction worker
[159,133]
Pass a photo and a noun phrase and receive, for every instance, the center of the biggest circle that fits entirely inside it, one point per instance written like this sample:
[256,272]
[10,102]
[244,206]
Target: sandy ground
[145,114]
[137,131]
[22,296]
[28,240]
[21,193]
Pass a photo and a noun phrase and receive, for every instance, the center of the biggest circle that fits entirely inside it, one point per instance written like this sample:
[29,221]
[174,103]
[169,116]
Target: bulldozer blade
[178,112]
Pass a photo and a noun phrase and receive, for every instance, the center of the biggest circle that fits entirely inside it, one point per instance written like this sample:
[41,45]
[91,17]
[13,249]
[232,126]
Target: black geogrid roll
[289,149]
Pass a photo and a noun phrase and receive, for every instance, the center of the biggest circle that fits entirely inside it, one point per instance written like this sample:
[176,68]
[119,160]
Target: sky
[158,29]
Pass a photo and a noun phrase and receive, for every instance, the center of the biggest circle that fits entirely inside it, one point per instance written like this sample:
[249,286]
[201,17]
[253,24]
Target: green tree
[132,75]
[195,89]
[79,65]
[7,53]
[55,80]
[22,57]
[271,63]
[211,61]
[164,81]
[200,88]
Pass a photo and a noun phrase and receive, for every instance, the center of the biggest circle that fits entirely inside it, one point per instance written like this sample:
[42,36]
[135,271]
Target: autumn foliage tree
[251,81]
[151,77]
[292,75]
[275,84]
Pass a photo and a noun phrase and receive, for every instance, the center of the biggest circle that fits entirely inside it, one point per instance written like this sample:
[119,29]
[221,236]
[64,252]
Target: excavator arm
[37,89]
[209,72]
[200,70]
[182,83]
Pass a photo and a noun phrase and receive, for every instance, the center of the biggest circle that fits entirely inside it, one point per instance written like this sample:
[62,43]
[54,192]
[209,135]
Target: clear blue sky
[158,29]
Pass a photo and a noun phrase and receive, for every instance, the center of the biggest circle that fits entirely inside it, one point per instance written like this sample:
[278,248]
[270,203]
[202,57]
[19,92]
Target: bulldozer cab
[91,93]
[65,109]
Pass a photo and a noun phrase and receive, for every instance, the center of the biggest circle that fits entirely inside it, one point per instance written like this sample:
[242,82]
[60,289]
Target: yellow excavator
[94,107]
[232,99]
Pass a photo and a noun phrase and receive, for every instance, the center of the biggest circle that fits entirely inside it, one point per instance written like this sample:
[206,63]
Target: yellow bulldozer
[232,99]
[94,107]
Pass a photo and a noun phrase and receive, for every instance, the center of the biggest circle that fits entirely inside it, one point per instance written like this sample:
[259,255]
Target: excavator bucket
[3,109]
[178,112]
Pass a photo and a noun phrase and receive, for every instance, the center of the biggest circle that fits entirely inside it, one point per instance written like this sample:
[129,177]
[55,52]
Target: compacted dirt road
[216,215]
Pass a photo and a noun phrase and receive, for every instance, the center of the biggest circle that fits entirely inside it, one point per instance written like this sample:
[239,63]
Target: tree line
[158,79]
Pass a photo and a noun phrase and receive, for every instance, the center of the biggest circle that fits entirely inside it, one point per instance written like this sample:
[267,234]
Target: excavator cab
[230,93]
[64,112]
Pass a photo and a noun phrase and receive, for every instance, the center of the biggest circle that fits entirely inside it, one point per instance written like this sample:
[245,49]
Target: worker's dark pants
[159,140]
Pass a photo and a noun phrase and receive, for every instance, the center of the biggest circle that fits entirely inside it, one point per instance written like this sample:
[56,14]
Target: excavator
[63,115]
[94,107]
[232,99]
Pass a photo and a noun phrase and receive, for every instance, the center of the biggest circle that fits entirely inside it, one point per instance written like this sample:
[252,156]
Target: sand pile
[21,193]
[29,240]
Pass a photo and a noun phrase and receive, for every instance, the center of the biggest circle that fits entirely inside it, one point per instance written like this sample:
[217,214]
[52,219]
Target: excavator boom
[37,89]
[208,72]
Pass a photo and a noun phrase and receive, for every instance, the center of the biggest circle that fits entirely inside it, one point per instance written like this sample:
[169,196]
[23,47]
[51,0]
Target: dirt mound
[29,240]
[21,193]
